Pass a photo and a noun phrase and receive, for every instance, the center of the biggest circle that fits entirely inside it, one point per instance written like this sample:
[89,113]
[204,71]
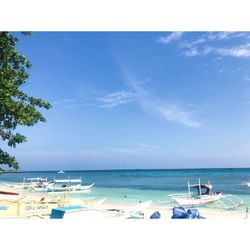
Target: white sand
[166,212]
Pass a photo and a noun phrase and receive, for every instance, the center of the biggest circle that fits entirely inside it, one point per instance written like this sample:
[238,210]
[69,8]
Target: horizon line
[128,169]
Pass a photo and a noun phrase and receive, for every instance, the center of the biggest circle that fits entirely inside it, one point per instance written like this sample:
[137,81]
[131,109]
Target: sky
[132,100]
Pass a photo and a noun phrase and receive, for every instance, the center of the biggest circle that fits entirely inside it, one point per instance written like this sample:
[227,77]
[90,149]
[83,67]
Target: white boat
[25,208]
[246,184]
[202,197]
[83,213]
[25,204]
[31,183]
[68,185]
[205,196]
[60,172]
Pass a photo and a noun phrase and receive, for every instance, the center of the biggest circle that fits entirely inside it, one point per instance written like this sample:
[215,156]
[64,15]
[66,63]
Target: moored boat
[86,213]
[24,204]
[246,184]
[202,197]
[205,196]
[68,185]
[31,183]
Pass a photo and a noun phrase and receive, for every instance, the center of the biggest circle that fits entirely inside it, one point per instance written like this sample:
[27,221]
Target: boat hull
[71,189]
[192,202]
[26,209]
[246,184]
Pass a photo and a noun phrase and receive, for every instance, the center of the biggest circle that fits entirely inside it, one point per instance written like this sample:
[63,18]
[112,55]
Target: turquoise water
[132,186]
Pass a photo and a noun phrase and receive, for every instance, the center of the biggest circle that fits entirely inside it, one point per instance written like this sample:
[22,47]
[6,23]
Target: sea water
[133,186]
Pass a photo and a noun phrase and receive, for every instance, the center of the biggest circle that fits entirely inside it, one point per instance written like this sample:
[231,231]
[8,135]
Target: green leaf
[16,107]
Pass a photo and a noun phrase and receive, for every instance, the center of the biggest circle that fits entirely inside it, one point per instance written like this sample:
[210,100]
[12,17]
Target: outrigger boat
[23,204]
[31,183]
[68,185]
[205,196]
[26,208]
[83,213]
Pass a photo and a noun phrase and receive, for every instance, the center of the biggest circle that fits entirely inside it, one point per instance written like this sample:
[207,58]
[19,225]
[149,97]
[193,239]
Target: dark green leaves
[16,107]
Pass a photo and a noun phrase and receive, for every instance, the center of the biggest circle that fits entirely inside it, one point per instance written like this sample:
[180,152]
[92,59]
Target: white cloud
[170,112]
[148,103]
[205,44]
[220,35]
[192,52]
[174,36]
[192,44]
[175,114]
[115,99]
[238,51]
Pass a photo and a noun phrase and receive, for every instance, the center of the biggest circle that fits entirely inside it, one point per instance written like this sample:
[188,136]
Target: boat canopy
[203,189]
[69,180]
[36,179]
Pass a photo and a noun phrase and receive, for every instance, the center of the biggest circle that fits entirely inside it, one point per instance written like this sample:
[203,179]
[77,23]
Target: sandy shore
[166,212]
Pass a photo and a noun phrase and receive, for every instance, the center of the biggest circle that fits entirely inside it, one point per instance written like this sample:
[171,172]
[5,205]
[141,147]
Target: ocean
[133,186]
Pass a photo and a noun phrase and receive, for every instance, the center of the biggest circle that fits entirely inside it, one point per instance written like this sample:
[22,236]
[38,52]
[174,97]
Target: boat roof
[209,186]
[68,180]
[36,179]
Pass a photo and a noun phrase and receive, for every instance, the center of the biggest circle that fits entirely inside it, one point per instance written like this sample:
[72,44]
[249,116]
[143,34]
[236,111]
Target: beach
[94,205]
[123,190]
[167,212]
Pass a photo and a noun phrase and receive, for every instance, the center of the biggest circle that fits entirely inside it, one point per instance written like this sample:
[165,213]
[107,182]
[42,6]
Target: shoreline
[166,212]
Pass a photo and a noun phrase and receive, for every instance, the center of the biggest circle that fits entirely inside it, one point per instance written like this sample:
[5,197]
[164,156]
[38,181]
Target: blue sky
[138,100]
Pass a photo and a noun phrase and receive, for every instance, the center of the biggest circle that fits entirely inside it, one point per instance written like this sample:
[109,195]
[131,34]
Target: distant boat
[60,172]
[246,184]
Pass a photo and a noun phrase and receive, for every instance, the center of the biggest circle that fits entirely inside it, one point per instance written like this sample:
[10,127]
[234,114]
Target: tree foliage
[16,107]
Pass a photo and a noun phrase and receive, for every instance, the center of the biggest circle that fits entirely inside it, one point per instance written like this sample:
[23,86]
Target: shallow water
[132,186]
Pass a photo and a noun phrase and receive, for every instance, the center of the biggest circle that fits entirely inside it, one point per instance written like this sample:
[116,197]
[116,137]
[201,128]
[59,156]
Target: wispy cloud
[148,103]
[170,112]
[238,51]
[212,43]
[192,52]
[115,99]
[174,113]
[174,36]
[220,35]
